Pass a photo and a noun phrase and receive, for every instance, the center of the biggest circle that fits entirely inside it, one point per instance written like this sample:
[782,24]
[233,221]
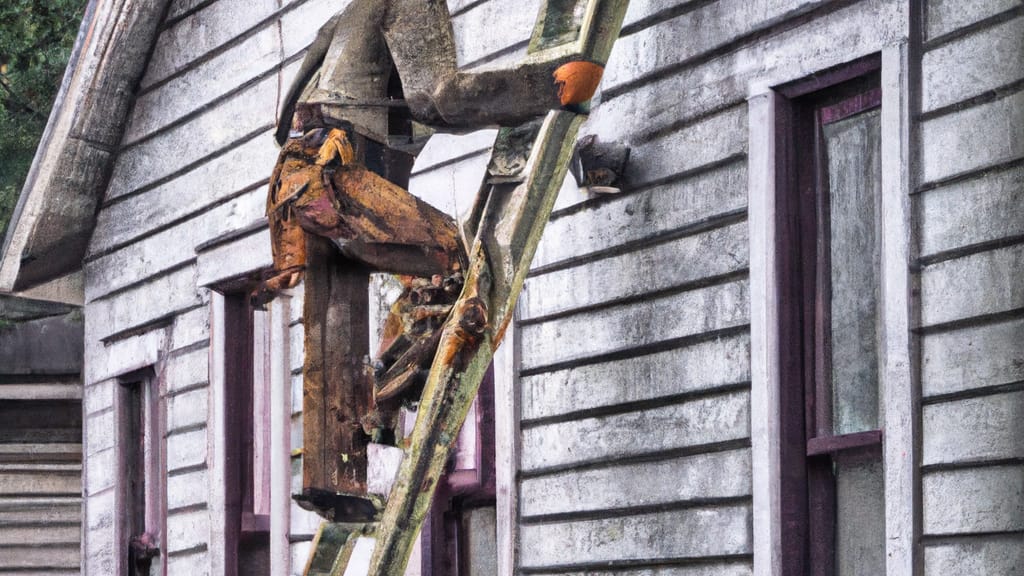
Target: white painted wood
[202,32]
[636,273]
[188,193]
[628,326]
[752,69]
[280,441]
[644,214]
[205,83]
[765,369]
[991,555]
[694,33]
[381,467]
[715,475]
[973,500]
[684,533]
[966,67]
[298,27]
[973,429]
[209,132]
[701,421]
[245,256]
[983,209]
[945,16]
[975,285]
[896,370]
[187,530]
[972,357]
[700,366]
[506,448]
[139,305]
[973,138]
[477,37]
[217,427]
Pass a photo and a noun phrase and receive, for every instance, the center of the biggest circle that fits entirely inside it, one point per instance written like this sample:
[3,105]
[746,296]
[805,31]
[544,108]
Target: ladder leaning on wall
[527,167]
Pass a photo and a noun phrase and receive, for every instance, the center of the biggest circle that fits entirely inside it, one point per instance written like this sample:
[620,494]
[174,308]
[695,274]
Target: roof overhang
[56,211]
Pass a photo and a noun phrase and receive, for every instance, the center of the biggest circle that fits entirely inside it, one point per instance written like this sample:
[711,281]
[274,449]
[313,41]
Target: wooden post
[336,390]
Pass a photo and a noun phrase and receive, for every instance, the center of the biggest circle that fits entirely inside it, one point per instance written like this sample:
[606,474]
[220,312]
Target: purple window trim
[807,449]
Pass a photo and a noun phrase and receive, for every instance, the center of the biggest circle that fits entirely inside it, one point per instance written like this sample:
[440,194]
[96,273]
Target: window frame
[771,164]
[142,458]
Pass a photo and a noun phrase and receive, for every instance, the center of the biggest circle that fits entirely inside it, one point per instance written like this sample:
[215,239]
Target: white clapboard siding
[969,226]
[965,67]
[946,16]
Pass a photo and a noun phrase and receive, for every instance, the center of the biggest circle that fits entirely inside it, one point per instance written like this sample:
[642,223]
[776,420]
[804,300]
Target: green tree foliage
[36,37]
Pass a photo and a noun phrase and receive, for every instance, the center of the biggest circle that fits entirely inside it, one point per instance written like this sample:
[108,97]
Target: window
[247,436]
[461,528]
[141,470]
[829,240]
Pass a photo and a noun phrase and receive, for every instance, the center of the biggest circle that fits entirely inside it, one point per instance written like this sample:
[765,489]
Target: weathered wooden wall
[970,225]
[633,344]
[184,209]
[40,439]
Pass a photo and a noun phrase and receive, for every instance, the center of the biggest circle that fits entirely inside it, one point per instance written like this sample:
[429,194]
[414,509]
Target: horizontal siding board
[245,255]
[441,148]
[204,84]
[973,429]
[145,303]
[689,369]
[674,263]
[186,370]
[978,210]
[973,138]
[100,471]
[194,564]
[172,247]
[688,533]
[103,361]
[838,37]
[190,328]
[201,32]
[187,194]
[702,421]
[98,397]
[186,489]
[707,141]
[705,568]
[189,409]
[945,16]
[622,328]
[299,26]
[973,357]
[696,32]
[989,499]
[453,187]
[990,555]
[983,283]
[187,530]
[205,134]
[476,35]
[716,475]
[972,65]
[645,214]
[99,433]
[187,449]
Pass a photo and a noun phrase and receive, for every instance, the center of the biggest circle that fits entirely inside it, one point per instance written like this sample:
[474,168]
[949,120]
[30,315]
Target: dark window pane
[853,149]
